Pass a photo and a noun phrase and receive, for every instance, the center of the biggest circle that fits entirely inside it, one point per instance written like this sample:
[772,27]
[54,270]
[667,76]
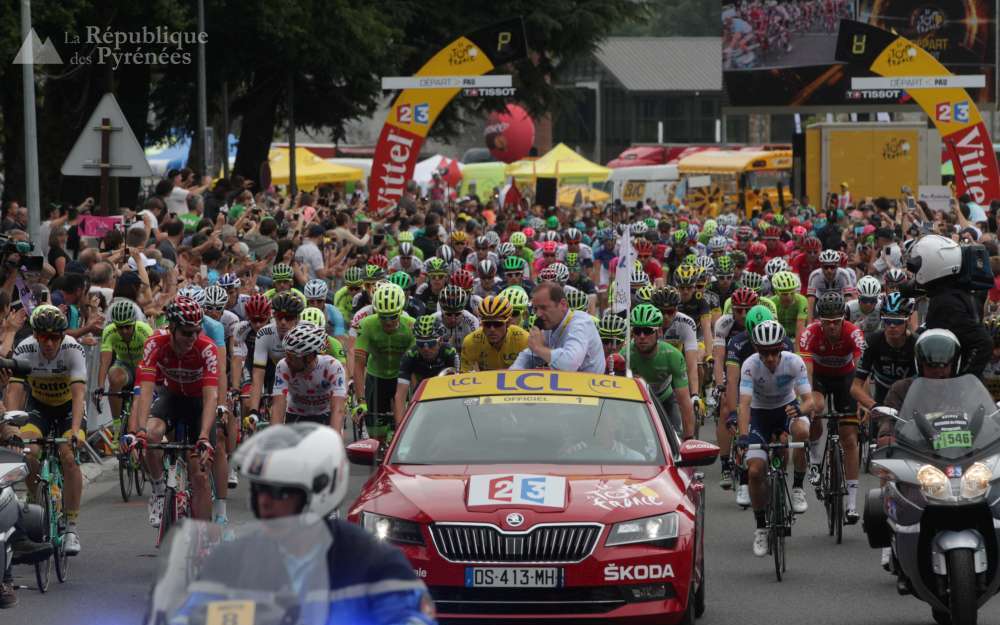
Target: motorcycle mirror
[887,411]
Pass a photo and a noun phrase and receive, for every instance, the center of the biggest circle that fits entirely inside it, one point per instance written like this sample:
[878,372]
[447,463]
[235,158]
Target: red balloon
[509,135]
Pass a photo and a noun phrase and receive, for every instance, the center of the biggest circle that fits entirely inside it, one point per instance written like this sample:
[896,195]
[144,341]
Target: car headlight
[15,474]
[933,482]
[976,481]
[647,530]
[392,529]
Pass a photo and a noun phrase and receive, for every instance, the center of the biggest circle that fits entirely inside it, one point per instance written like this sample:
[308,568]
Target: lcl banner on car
[415,110]
[950,107]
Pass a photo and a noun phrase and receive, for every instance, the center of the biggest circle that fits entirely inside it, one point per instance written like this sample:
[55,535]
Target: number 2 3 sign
[547,491]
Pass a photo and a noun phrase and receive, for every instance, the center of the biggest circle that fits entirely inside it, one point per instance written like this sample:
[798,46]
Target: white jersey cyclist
[229,320]
[773,390]
[308,394]
[453,337]
[268,347]
[415,269]
[843,282]
[50,381]
[682,333]
[723,328]
[238,306]
[869,322]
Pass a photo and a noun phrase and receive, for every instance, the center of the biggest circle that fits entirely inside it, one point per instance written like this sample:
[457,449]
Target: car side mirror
[695,453]
[363,452]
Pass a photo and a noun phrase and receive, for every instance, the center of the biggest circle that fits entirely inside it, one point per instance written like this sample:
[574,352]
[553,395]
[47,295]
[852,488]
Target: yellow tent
[560,162]
[568,193]
[310,170]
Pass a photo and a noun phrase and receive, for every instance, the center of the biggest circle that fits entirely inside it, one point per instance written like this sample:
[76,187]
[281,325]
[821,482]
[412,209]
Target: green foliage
[676,18]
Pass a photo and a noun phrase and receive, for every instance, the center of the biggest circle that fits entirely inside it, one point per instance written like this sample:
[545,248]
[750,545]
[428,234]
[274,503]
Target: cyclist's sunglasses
[286,316]
[452,313]
[428,344]
[353,287]
[388,317]
[867,300]
[494,324]
[643,331]
[612,341]
[187,332]
[53,337]
[668,311]
[214,308]
[274,492]
[893,321]
[769,351]
[741,310]
[832,320]
[437,275]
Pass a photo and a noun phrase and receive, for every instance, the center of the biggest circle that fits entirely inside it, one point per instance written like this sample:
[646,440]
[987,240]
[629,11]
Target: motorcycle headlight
[648,530]
[392,529]
[933,482]
[976,481]
[13,475]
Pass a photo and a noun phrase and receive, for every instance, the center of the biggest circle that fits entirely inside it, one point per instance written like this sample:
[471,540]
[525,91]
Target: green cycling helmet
[374,273]
[519,239]
[281,272]
[436,266]
[517,297]
[576,299]
[724,266]
[756,315]
[405,237]
[572,260]
[122,312]
[552,222]
[646,316]
[425,329]
[784,282]
[680,236]
[650,222]
[314,316]
[401,279]
[644,294]
[354,276]
[710,227]
[513,263]
[611,326]
[388,299]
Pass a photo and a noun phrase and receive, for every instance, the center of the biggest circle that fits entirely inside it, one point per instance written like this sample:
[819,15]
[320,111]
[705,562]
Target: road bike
[832,487]
[780,517]
[131,470]
[48,493]
[177,496]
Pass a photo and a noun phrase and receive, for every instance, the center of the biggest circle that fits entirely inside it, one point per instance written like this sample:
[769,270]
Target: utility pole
[202,97]
[33,197]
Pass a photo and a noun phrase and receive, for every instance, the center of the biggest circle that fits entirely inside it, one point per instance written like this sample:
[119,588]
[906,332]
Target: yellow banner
[531,383]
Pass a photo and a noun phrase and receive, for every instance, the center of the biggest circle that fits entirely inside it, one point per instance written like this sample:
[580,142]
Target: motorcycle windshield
[950,419]
[260,573]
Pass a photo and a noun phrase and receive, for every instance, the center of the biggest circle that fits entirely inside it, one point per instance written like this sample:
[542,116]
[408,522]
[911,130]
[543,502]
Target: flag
[623,273]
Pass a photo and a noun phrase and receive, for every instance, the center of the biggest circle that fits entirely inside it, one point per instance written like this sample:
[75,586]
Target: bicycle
[131,471]
[177,496]
[867,438]
[780,517]
[832,487]
[48,493]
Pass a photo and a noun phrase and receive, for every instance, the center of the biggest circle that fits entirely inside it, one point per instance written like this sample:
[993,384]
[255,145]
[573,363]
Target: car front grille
[540,544]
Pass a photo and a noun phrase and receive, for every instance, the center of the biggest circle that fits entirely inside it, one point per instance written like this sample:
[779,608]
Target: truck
[873,159]
[636,184]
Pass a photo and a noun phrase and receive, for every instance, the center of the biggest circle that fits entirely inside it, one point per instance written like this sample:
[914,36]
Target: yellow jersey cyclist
[57,390]
[281,278]
[122,341]
[383,339]
[496,343]
[791,308]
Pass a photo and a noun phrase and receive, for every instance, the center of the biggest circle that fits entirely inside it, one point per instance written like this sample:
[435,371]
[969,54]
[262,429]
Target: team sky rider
[496,343]
[775,396]
[428,358]
[57,387]
[889,353]
[830,348]
[437,279]
[182,366]
[269,348]
[309,385]
[383,338]
[122,341]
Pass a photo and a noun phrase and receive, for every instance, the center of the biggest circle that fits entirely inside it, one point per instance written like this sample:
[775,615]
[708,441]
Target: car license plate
[510,577]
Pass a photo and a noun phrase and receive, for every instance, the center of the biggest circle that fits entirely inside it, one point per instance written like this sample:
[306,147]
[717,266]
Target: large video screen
[782,53]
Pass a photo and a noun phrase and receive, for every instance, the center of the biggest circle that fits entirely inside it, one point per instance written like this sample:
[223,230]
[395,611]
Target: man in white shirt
[183,186]
[570,341]
[310,255]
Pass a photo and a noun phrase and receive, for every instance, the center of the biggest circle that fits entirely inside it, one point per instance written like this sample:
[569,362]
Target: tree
[677,18]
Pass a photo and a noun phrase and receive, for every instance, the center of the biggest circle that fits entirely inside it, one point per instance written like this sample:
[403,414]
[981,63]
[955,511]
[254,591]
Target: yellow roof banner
[531,382]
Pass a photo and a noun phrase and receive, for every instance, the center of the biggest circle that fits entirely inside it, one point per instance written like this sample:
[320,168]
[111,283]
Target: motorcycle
[265,572]
[14,515]
[939,508]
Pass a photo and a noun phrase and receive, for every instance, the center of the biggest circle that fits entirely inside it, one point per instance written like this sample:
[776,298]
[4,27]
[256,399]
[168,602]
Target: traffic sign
[390,83]
[124,158]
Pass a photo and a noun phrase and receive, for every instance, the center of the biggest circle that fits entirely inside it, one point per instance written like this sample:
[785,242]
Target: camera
[8,247]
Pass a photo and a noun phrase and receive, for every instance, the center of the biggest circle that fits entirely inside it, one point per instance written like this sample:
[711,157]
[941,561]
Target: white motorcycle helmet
[307,457]
[932,257]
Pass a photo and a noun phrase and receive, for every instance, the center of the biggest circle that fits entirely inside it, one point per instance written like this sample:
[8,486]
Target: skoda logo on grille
[515,519]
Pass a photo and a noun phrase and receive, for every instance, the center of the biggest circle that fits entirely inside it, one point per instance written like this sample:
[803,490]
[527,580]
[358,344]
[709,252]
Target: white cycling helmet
[562,273]
[933,257]
[306,457]
[216,297]
[869,287]
[305,339]
[768,334]
[193,291]
[775,265]
[829,257]
[315,289]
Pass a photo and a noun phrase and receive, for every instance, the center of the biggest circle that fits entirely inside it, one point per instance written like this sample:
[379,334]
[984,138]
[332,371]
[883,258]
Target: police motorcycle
[264,572]
[13,514]
[940,507]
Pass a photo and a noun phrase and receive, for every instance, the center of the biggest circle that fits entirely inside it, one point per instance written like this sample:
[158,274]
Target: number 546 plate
[511,577]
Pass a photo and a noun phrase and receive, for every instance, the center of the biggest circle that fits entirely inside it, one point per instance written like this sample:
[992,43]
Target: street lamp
[596,86]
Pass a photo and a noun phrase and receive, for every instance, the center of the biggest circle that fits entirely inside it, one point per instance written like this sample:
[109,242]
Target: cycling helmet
[48,318]
[643,247]
[639,228]
[406,249]
[305,339]
[492,238]
[518,239]
[506,249]
[711,226]
[561,271]
[436,266]
[738,257]
[573,235]
[549,247]
[552,235]
[426,328]
[573,261]
[388,299]
[812,244]
[772,232]
[281,272]
[798,231]
[495,307]
[744,233]
[717,244]
[894,305]
[374,273]
[745,297]
[604,234]
[183,311]
[405,237]
[314,316]
[230,281]
[757,314]
[552,221]
[665,297]
[775,265]
[354,276]
[646,316]
[937,348]
[869,287]
[316,289]
[690,259]
[487,268]
[785,282]
[993,325]
[933,257]
[258,308]
[650,223]
[829,257]
[459,236]
[638,277]
[288,303]
[216,297]
[752,280]
[643,294]
[768,334]
[463,278]
[724,266]
[830,305]
[611,326]
[446,254]
[577,299]
[547,274]
[685,275]
[453,298]
[517,297]
[307,457]
[758,249]
[122,312]
[705,263]
[482,243]
[894,277]
[679,236]
[401,279]
[536,224]
[193,291]
[513,264]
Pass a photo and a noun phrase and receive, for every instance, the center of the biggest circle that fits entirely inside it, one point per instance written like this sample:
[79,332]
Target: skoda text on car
[543,494]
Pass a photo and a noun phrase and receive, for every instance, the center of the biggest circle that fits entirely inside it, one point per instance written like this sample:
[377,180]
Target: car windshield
[949,418]
[546,429]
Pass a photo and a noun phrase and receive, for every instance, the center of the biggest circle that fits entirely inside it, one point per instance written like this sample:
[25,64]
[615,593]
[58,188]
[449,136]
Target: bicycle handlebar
[768,446]
[124,394]
[169,446]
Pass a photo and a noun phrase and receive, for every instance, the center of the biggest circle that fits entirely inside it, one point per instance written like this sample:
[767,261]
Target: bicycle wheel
[837,491]
[59,543]
[125,479]
[138,472]
[827,486]
[42,568]
[776,524]
[169,516]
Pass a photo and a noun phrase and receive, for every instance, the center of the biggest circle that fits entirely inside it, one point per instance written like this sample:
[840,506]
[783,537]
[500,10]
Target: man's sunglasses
[770,351]
[452,313]
[428,344]
[668,311]
[48,336]
[388,317]
[494,324]
[214,308]
[867,300]
[893,321]
[286,316]
[643,331]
